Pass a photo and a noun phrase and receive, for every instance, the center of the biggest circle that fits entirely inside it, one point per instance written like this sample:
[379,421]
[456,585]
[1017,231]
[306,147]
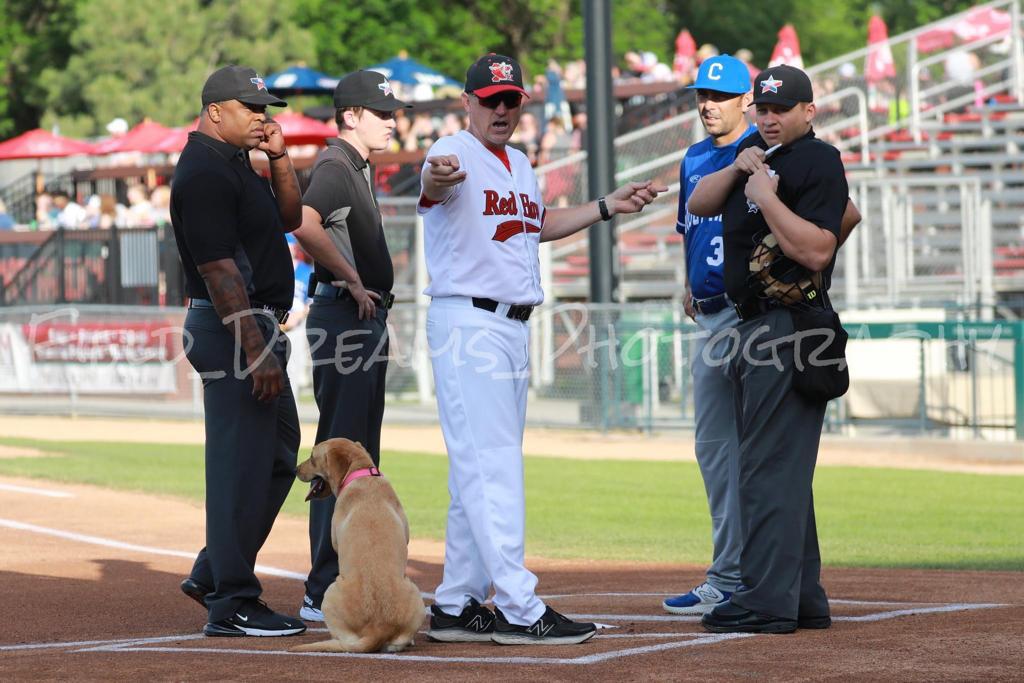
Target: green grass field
[634,511]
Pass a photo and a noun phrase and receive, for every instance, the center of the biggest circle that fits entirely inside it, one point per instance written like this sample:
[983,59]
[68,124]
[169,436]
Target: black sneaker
[551,629]
[474,625]
[254,618]
[195,590]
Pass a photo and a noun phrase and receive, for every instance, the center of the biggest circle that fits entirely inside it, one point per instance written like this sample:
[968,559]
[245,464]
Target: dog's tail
[365,644]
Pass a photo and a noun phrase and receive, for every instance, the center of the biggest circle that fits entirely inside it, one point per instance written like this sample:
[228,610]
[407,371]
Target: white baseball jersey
[483,240]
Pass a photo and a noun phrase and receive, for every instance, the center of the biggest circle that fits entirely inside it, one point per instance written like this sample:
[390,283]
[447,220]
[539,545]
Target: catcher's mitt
[774,275]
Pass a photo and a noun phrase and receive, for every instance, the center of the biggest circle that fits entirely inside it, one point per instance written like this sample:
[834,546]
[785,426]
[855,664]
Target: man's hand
[749,161]
[691,312]
[365,299]
[267,377]
[273,139]
[444,171]
[761,186]
[633,197]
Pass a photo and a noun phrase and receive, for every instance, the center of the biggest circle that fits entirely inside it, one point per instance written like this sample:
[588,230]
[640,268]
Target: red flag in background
[683,64]
[787,50]
[880,64]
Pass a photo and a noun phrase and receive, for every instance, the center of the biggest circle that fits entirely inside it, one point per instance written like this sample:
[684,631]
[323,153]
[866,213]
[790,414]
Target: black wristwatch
[602,206]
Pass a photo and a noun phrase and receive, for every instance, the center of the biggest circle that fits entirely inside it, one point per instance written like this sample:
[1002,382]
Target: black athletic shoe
[254,618]
[814,622]
[551,629]
[474,625]
[195,590]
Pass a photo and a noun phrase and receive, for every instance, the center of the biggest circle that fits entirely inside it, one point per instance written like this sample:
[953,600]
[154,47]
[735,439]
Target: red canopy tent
[142,138]
[42,144]
[302,130]
[787,49]
[685,59]
[175,140]
[978,24]
[880,64]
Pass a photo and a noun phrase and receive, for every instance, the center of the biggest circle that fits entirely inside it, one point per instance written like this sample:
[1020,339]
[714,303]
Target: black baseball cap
[492,74]
[238,83]
[368,89]
[784,85]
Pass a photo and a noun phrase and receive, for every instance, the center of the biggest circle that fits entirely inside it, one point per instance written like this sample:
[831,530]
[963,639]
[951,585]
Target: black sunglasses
[510,99]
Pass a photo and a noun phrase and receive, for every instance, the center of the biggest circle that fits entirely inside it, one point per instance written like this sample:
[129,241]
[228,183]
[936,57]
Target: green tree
[153,60]
[448,35]
[33,35]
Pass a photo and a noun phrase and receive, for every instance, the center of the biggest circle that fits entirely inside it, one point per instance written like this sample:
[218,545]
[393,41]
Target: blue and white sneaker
[700,600]
[310,611]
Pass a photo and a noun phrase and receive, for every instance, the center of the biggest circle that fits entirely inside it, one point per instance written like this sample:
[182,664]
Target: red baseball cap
[492,74]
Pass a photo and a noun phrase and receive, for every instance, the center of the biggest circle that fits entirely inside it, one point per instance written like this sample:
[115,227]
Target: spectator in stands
[555,103]
[140,211]
[706,51]
[421,133]
[556,142]
[46,212]
[527,137]
[6,221]
[70,214]
[160,205]
[747,57]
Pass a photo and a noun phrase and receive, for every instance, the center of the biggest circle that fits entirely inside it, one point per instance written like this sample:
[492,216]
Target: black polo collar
[225,149]
[354,157]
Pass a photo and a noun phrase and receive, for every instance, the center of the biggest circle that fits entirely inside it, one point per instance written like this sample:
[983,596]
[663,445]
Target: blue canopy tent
[412,73]
[300,80]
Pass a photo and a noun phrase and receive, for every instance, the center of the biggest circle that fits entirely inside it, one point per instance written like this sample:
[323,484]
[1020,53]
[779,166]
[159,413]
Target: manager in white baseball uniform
[484,219]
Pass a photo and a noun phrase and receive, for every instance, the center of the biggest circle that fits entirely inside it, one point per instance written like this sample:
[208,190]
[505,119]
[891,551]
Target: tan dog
[372,605]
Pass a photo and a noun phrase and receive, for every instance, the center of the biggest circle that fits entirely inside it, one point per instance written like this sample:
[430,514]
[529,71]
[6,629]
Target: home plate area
[623,634]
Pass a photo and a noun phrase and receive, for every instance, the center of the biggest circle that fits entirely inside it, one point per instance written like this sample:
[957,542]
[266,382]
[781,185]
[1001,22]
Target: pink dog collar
[359,474]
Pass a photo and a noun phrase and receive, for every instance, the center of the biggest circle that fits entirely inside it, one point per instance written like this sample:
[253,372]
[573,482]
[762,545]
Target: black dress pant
[778,432]
[251,449]
[349,371]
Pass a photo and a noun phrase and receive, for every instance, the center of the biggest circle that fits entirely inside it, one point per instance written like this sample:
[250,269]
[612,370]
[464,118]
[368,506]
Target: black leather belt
[515,311]
[755,306]
[280,314]
[387,299]
[711,305]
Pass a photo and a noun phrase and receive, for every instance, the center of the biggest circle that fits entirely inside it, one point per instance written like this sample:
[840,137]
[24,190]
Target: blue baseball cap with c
[723,73]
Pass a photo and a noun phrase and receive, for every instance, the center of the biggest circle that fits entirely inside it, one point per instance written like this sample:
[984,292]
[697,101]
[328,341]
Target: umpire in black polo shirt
[229,224]
[799,193]
[347,323]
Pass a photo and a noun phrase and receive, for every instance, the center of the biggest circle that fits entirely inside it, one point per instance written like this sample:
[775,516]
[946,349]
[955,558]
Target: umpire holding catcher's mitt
[229,224]
[784,195]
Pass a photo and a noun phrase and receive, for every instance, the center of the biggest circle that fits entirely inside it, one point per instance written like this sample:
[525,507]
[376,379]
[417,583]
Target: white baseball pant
[481,373]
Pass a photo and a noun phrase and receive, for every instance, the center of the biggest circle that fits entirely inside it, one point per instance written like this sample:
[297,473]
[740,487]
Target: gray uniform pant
[251,449]
[349,371]
[716,446]
[778,433]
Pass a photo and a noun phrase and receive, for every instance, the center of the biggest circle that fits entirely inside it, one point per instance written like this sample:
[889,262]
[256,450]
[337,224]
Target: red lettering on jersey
[512,228]
[530,209]
[496,205]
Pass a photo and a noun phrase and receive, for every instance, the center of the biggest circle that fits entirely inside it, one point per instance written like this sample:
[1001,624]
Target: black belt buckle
[520,312]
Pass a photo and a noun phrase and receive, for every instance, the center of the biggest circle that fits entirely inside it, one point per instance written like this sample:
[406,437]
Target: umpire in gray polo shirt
[347,323]
[229,224]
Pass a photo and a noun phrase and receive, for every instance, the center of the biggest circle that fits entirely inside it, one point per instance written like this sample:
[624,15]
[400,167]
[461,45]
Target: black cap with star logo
[492,74]
[368,89]
[783,85]
[238,83]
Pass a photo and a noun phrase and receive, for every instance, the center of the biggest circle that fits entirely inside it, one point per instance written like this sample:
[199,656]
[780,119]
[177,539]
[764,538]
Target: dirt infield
[90,581]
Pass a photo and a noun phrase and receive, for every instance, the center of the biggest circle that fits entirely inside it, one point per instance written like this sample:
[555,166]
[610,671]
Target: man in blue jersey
[723,96]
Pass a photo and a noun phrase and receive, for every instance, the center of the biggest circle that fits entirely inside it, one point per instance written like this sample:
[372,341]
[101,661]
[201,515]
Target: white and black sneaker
[475,624]
[310,610]
[551,629]
[254,618]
